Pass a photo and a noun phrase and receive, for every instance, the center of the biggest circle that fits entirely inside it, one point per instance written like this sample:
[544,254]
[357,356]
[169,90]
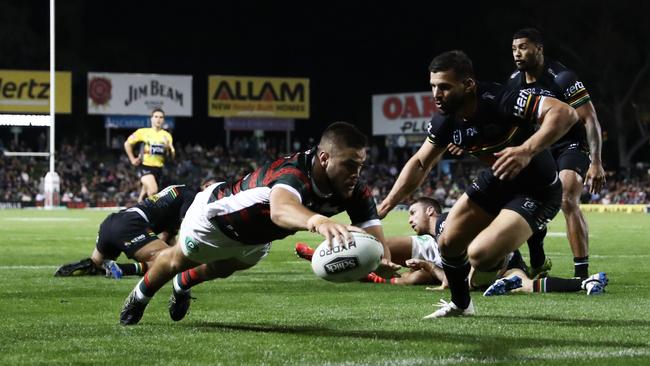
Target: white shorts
[425,247]
[203,242]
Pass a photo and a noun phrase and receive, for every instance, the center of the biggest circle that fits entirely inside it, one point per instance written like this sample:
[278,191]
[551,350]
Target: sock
[185,280]
[373,277]
[456,270]
[133,269]
[145,290]
[581,266]
[554,284]
[536,248]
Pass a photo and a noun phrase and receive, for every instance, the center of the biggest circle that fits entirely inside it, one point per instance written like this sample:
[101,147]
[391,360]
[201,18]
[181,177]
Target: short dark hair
[455,60]
[531,33]
[344,133]
[157,109]
[428,201]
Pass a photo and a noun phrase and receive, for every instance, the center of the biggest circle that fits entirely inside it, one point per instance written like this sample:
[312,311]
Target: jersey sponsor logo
[573,89]
[135,240]
[156,149]
[520,103]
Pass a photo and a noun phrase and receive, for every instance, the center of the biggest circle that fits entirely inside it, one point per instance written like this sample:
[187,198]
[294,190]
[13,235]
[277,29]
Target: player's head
[157,118]
[423,213]
[341,153]
[527,49]
[451,75]
[207,182]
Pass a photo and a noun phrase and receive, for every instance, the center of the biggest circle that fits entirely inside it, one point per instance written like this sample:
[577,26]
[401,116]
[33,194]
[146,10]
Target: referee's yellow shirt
[156,144]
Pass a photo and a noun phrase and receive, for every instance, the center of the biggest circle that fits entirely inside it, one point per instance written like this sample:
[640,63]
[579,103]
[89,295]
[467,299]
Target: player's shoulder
[553,68]
[515,79]
[562,76]
[489,91]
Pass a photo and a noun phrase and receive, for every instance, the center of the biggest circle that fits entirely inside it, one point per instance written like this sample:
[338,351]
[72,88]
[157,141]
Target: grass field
[279,313]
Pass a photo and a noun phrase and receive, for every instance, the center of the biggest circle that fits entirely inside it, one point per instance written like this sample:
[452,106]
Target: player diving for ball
[230,227]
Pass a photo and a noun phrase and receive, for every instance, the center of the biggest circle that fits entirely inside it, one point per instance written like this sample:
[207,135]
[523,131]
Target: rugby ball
[347,263]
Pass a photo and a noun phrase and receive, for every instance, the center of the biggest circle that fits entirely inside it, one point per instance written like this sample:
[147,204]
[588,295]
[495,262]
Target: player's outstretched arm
[556,118]
[411,176]
[378,232]
[287,212]
[595,177]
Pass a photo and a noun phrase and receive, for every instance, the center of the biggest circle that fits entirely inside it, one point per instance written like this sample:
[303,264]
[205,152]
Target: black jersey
[503,118]
[440,225]
[245,213]
[559,82]
[165,210]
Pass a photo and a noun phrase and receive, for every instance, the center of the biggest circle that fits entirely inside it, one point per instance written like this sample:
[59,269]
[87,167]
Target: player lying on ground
[420,252]
[135,232]
[230,227]
[516,280]
[424,214]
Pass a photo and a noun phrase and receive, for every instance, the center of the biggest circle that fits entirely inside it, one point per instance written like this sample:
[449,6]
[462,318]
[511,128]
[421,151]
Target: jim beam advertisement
[139,94]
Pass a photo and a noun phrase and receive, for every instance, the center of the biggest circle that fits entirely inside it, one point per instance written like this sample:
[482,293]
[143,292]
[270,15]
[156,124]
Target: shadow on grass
[487,344]
[587,323]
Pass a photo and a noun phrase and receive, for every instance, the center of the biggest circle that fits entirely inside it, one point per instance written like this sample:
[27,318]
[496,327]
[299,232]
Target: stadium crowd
[104,176]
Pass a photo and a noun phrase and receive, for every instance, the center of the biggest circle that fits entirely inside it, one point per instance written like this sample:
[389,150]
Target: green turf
[279,313]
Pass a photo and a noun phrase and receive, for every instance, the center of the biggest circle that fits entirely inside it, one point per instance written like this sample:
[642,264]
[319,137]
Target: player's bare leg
[576,225]
[149,185]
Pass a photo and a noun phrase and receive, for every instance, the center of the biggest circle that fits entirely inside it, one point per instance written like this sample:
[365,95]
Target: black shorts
[538,207]
[571,156]
[146,170]
[123,232]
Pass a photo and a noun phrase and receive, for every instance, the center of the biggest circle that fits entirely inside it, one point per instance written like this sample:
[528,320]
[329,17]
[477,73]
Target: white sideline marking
[563,355]
[45,219]
[555,234]
[26,267]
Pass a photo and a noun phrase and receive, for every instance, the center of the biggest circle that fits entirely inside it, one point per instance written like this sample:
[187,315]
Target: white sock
[139,295]
[177,285]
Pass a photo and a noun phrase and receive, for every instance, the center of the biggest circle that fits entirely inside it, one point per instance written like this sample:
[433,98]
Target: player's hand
[137,161]
[510,162]
[417,264]
[384,208]
[386,265]
[595,178]
[455,149]
[333,231]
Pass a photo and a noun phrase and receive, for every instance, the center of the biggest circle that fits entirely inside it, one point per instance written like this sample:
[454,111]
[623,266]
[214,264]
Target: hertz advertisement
[244,96]
[24,91]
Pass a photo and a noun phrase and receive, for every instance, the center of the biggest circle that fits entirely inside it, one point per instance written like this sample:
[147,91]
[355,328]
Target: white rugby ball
[351,263]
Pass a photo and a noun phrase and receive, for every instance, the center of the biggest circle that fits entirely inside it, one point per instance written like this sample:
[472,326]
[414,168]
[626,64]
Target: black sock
[536,248]
[133,269]
[456,270]
[581,266]
[554,284]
